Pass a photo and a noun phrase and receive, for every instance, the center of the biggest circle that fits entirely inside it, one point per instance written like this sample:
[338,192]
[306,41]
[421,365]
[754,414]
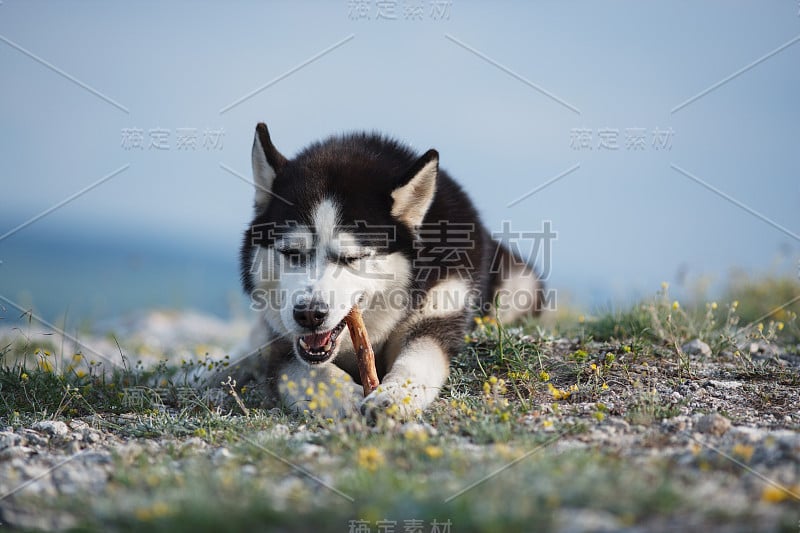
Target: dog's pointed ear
[267,162]
[414,194]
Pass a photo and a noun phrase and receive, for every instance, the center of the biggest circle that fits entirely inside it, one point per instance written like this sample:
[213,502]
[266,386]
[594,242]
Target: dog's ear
[414,193]
[267,162]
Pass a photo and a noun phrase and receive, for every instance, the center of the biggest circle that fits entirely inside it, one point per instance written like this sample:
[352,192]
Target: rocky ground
[723,430]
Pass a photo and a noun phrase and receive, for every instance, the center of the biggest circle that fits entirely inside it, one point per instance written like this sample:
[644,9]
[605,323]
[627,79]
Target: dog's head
[334,227]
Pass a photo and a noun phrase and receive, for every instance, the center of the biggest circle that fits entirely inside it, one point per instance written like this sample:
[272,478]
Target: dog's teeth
[304,345]
[328,347]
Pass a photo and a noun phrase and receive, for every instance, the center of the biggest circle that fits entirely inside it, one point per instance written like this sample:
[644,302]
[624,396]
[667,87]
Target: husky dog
[360,219]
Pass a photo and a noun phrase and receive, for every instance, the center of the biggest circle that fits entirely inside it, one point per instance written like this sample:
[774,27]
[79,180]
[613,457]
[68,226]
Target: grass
[515,396]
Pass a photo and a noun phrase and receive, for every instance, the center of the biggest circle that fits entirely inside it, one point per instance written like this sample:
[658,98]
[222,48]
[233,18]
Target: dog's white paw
[398,400]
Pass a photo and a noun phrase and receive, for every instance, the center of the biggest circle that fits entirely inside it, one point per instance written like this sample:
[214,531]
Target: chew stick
[364,354]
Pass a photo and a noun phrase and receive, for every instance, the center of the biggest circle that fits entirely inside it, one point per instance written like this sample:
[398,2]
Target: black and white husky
[362,220]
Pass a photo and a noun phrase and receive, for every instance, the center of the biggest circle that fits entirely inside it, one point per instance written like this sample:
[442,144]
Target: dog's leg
[418,355]
[414,381]
[325,390]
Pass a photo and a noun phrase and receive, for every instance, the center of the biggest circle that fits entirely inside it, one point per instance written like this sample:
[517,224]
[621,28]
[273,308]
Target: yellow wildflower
[370,458]
[743,451]
[415,434]
[434,452]
[777,494]
[560,394]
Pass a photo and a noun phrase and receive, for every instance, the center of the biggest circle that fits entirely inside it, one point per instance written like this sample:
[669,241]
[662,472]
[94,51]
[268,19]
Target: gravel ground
[721,419]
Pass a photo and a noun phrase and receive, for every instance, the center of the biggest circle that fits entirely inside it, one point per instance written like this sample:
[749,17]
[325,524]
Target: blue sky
[512,94]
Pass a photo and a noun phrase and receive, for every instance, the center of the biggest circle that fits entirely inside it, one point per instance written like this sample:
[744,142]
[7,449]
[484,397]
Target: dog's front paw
[401,401]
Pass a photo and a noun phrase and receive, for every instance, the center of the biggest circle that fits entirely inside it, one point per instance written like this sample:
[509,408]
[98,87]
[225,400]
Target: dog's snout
[311,315]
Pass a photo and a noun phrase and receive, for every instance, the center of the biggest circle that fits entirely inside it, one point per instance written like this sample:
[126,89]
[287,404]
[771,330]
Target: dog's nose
[311,315]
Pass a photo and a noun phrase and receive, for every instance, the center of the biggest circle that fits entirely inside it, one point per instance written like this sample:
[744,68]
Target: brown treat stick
[364,354]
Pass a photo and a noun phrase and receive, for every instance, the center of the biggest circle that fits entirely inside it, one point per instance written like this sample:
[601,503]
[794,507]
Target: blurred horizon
[112,276]
[659,139]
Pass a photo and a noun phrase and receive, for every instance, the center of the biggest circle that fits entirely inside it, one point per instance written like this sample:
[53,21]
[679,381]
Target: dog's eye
[346,260]
[294,257]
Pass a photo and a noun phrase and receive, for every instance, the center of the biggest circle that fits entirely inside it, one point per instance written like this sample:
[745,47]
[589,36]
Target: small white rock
[34,438]
[281,430]
[418,428]
[583,520]
[725,384]
[308,450]
[78,425]
[713,424]
[747,434]
[192,445]
[53,428]
[8,439]
[697,347]
[98,457]
[619,423]
[15,452]
[220,455]
[92,437]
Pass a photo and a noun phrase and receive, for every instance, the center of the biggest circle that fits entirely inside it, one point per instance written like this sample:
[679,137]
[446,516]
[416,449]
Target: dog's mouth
[317,348]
